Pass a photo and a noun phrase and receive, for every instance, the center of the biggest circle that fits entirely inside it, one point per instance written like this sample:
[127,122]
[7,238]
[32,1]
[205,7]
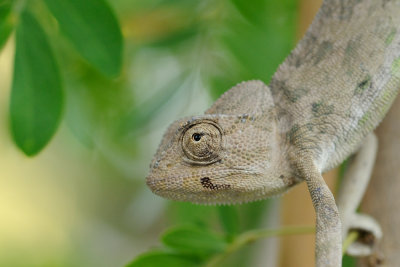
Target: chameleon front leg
[328,244]
[352,189]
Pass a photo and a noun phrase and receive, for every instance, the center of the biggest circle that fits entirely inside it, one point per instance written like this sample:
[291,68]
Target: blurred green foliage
[155,258]
[36,96]
[193,240]
[92,28]
[118,79]
[6,21]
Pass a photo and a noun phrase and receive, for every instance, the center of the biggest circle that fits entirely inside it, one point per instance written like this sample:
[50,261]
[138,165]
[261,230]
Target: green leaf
[229,219]
[193,240]
[253,11]
[93,29]
[36,97]
[158,258]
[6,22]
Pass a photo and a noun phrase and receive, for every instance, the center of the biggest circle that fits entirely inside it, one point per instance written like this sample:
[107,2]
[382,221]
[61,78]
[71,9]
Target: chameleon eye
[201,142]
[196,137]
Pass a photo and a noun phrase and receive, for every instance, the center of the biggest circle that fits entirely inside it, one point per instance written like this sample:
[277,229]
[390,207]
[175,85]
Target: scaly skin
[258,141]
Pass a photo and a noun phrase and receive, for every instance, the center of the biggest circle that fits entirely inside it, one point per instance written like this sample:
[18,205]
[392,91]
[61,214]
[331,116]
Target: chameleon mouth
[158,185]
[203,182]
[232,189]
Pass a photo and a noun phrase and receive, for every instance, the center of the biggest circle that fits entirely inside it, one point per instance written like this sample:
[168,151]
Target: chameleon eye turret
[201,142]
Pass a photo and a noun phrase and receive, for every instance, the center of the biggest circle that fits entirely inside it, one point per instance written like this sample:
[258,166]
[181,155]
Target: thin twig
[254,235]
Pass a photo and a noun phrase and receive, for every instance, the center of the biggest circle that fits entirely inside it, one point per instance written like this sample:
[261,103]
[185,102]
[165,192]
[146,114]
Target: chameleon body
[257,141]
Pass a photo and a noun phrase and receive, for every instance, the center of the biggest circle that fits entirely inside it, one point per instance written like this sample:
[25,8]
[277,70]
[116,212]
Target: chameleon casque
[258,141]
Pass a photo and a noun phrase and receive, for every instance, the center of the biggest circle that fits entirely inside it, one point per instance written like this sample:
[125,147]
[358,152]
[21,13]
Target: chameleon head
[220,159]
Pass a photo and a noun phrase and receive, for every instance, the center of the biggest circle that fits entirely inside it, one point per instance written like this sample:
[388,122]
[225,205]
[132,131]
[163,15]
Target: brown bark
[382,199]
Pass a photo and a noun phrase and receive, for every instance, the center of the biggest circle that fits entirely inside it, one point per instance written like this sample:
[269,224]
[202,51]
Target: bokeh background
[82,200]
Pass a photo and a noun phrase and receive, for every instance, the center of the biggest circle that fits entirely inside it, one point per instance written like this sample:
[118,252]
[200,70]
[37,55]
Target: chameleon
[320,107]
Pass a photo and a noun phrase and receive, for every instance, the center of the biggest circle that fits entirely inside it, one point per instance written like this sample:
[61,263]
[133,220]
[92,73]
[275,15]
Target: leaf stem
[254,235]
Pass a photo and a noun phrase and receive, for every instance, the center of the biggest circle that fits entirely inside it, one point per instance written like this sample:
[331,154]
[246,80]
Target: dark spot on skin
[315,107]
[391,36]
[293,94]
[294,61]
[346,9]
[324,48]
[310,126]
[351,46]
[206,183]
[328,10]
[306,52]
[281,176]
[320,108]
[329,211]
[384,2]
[291,135]
[363,85]
[352,54]
[316,195]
